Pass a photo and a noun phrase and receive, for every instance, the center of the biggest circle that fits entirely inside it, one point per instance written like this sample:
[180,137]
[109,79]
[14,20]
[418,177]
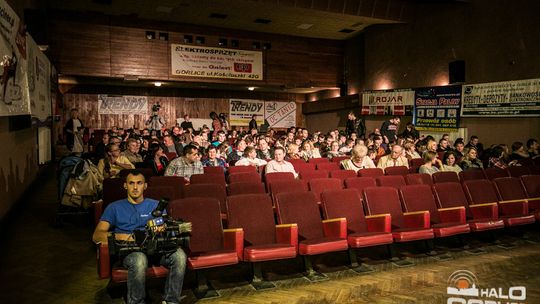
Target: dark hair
[248,150]
[517,145]
[474,137]
[154,148]
[134,172]
[213,115]
[497,151]
[447,155]
[190,148]
[531,142]
[279,148]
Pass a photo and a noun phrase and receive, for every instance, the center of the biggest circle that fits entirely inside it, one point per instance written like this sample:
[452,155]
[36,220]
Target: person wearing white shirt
[359,159]
[278,164]
[250,158]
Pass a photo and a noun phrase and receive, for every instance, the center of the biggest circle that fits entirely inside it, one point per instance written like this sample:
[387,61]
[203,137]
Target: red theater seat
[395,181]
[246,188]
[418,179]
[288,186]
[518,171]
[511,189]
[445,177]
[493,173]
[472,174]
[242,169]
[208,190]
[370,172]
[309,175]
[342,174]
[214,170]
[208,178]
[318,160]
[398,170]
[328,166]
[277,176]
[338,159]
[321,185]
[244,177]
[304,167]
[359,183]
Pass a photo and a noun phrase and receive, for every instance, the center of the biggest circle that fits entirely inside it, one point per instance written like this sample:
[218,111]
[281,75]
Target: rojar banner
[388,102]
[210,62]
[122,104]
[502,99]
[280,114]
[242,110]
[437,108]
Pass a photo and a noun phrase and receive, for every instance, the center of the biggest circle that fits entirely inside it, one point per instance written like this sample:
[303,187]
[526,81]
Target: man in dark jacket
[355,125]
[253,122]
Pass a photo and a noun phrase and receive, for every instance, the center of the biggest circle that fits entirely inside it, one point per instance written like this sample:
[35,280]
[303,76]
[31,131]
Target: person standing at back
[253,122]
[389,130]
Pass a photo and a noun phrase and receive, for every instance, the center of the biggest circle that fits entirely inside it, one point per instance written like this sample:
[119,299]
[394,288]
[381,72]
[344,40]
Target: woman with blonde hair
[471,161]
[430,159]
[359,159]
[309,151]
[293,151]
[410,150]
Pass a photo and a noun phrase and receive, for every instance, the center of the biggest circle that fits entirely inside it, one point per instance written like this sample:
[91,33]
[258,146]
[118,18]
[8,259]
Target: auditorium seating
[445,177]
[342,174]
[359,183]
[320,185]
[309,175]
[531,183]
[253,187]
[244,177]
[328,166]
[370,172]
[318,160]
[535,170]
[416,162]
[512,189]
[288,186]
[170,155]
[208,190]
[397,170]
[395,181]
[471,174]
[242,169]
[214,170]
[518,171]
[208,178]
[494,172]
[177,182]
[418,179]
[338,159]
[304,167]
[277,176]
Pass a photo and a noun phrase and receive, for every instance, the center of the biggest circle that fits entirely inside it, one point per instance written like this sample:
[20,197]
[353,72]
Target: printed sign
[122,104]
[496,99]
[389,102]
[280,114]
[209,62]
[437,108]
[242,110]
[39,82]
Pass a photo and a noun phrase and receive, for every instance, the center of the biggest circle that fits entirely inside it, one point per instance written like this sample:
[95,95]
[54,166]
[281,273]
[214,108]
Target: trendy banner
[39,82]
[280,114]
[209,62]
[502,99]
[437,108]
[241,111]
[389,102]
[122,104]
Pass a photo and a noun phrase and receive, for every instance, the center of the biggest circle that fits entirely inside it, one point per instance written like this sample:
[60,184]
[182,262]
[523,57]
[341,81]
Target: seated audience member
[394,159]
[378,146]
[334,150]
[518,152]
[309,151]
[224,150]
[279,164]
[293,152]
[532,148]
[213,159]
[410,132]
[475,143]
[430,159]
[496,158]
[359,159]
[156,159]
[113,162]
[235,155]
[221,138]
[460,149]
[444,145]
[431,145]
[145,147]
[186,124]
[349,145]
[186,165]
[126,216]
[372,154]
[171,146]
[450,162]
[132,152]
[471,160]
[250,159]
[100,147]
[410,150]
[264,151]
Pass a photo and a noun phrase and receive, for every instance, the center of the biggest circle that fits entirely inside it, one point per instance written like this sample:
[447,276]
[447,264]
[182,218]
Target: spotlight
[157,84]
[251,88]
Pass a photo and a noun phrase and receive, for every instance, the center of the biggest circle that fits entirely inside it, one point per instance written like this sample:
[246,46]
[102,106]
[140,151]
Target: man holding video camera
[127,216]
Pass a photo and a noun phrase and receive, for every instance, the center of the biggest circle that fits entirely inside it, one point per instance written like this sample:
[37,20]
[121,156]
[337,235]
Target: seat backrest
[318,160]
[207,190]
[359,183]
[532,185]
[381,200]
[294,185]
[296,161]
[518,171]
[527,162]
[397,170]
[370,172]
[208,178]
[303,167]
[253,213]
[243,169]
[494,172]
[159,192]
[205,216]
[419,198]
[171,155]
[418,179]
[345,203]
[320,185]
[395,181]
[277,176]
[214,170]
[177,182]
[472,174]
[244,177]
[450,195]
[535,170]
[510,188]
[113,190]
[300,208]
[309,175]
[328,166]
[480,191]
[253,187]
[445,177]
[338,159]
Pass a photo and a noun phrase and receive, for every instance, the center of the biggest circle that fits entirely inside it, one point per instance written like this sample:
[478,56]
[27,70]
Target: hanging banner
[437,108]
[122,104]
[210,62]
[242,110]
[39,82]
[502,99]
[388,102]
[280,114]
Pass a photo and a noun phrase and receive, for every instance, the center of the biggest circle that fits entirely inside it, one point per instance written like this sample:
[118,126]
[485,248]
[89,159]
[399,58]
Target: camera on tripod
[162,235]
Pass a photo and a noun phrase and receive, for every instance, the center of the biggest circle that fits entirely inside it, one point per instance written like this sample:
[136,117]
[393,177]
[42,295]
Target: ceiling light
[251,88]
[305,26]
[157,84]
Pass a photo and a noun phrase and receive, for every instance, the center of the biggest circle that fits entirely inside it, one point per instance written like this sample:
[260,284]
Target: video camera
[161,235]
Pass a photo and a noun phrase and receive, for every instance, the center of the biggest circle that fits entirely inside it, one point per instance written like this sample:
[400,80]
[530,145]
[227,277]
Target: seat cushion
[269,252]
[119,274]
[518,220]
[411,234]
[367,239]
[448,229]
[212,259]
[322,245]
[485,224]
[537,215]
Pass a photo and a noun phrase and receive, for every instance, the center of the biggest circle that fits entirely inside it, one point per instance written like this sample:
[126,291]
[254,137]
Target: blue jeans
[137,263]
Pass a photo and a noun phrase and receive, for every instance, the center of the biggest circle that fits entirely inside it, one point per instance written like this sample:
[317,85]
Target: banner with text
[39,82]
[437,108]
[280,114]
[122,104]
[502,99]
[388,102]
[210,62]
[242,110]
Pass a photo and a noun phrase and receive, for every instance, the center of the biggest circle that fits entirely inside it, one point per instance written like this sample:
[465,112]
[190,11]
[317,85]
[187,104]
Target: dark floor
[42,264]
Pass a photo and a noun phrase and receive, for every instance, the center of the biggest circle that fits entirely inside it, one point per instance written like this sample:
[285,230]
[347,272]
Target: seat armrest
[335,227]
[103,261]
[233,239]
[98,211]
[287,234]
[534,203]
[416,219]
[514,207]
[484,211]
[452,215]
[379,223]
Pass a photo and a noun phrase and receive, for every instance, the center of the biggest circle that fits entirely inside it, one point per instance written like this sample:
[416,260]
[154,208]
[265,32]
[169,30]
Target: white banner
[242,110]
[390,102]
[502,99]
[210,62]
[122,104]
[39,81]
[280,114]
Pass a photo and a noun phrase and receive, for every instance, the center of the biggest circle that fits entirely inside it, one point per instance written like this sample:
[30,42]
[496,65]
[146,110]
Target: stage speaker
[456,71]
